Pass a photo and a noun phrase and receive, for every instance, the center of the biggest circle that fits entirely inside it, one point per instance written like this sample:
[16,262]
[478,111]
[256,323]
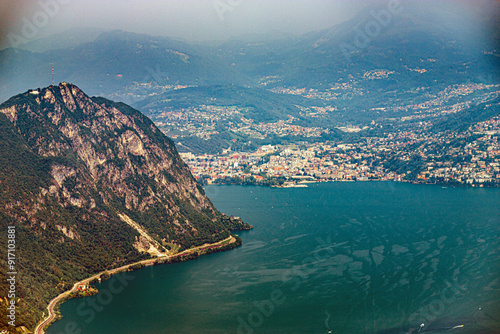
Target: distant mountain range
[90,185]
[113,62]
[416,50]
[377,68]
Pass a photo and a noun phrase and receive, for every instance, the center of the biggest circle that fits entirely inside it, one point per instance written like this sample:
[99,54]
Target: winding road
[51,307]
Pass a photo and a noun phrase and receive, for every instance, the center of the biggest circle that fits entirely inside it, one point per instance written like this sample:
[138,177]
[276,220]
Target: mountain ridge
[80,172]
[449,52]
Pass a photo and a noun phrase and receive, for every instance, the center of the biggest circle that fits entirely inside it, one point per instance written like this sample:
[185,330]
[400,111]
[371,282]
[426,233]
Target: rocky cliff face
[92,184]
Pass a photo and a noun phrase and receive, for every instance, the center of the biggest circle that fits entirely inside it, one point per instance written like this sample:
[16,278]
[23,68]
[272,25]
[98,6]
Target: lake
[360,257]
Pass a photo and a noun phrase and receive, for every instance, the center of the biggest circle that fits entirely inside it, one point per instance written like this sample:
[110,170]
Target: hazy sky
[195,20]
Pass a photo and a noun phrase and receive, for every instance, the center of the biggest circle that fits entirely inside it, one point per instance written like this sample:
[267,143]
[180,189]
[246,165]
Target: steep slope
[91,184]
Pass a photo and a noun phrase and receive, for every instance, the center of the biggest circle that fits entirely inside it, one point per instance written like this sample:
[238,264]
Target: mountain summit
[90,185]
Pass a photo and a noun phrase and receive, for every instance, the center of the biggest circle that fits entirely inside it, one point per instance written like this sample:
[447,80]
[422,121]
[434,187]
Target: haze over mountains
[379,60]
[116,61]
[379,68]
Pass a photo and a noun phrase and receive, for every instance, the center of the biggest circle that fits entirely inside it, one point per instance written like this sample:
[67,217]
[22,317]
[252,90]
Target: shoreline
[442,184]
[55,302]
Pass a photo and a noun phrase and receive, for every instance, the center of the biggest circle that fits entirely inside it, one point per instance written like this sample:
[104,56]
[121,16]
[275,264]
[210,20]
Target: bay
[365,257]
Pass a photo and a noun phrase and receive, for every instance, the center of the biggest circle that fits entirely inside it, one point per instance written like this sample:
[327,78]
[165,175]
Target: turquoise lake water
[365,257]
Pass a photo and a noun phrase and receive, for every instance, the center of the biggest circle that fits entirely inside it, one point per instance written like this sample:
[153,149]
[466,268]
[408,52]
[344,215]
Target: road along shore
[51,308]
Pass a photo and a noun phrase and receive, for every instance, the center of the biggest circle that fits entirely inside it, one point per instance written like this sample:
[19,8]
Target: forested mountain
[91,184]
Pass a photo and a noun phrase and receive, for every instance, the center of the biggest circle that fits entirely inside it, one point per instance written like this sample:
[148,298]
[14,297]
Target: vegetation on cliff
[72,167]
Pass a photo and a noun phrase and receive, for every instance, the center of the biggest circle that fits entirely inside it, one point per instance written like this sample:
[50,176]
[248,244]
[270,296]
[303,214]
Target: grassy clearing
[173,248]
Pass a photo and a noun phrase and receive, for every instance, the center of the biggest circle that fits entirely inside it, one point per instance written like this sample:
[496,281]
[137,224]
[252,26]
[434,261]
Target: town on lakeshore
[432,140]
[469,158]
